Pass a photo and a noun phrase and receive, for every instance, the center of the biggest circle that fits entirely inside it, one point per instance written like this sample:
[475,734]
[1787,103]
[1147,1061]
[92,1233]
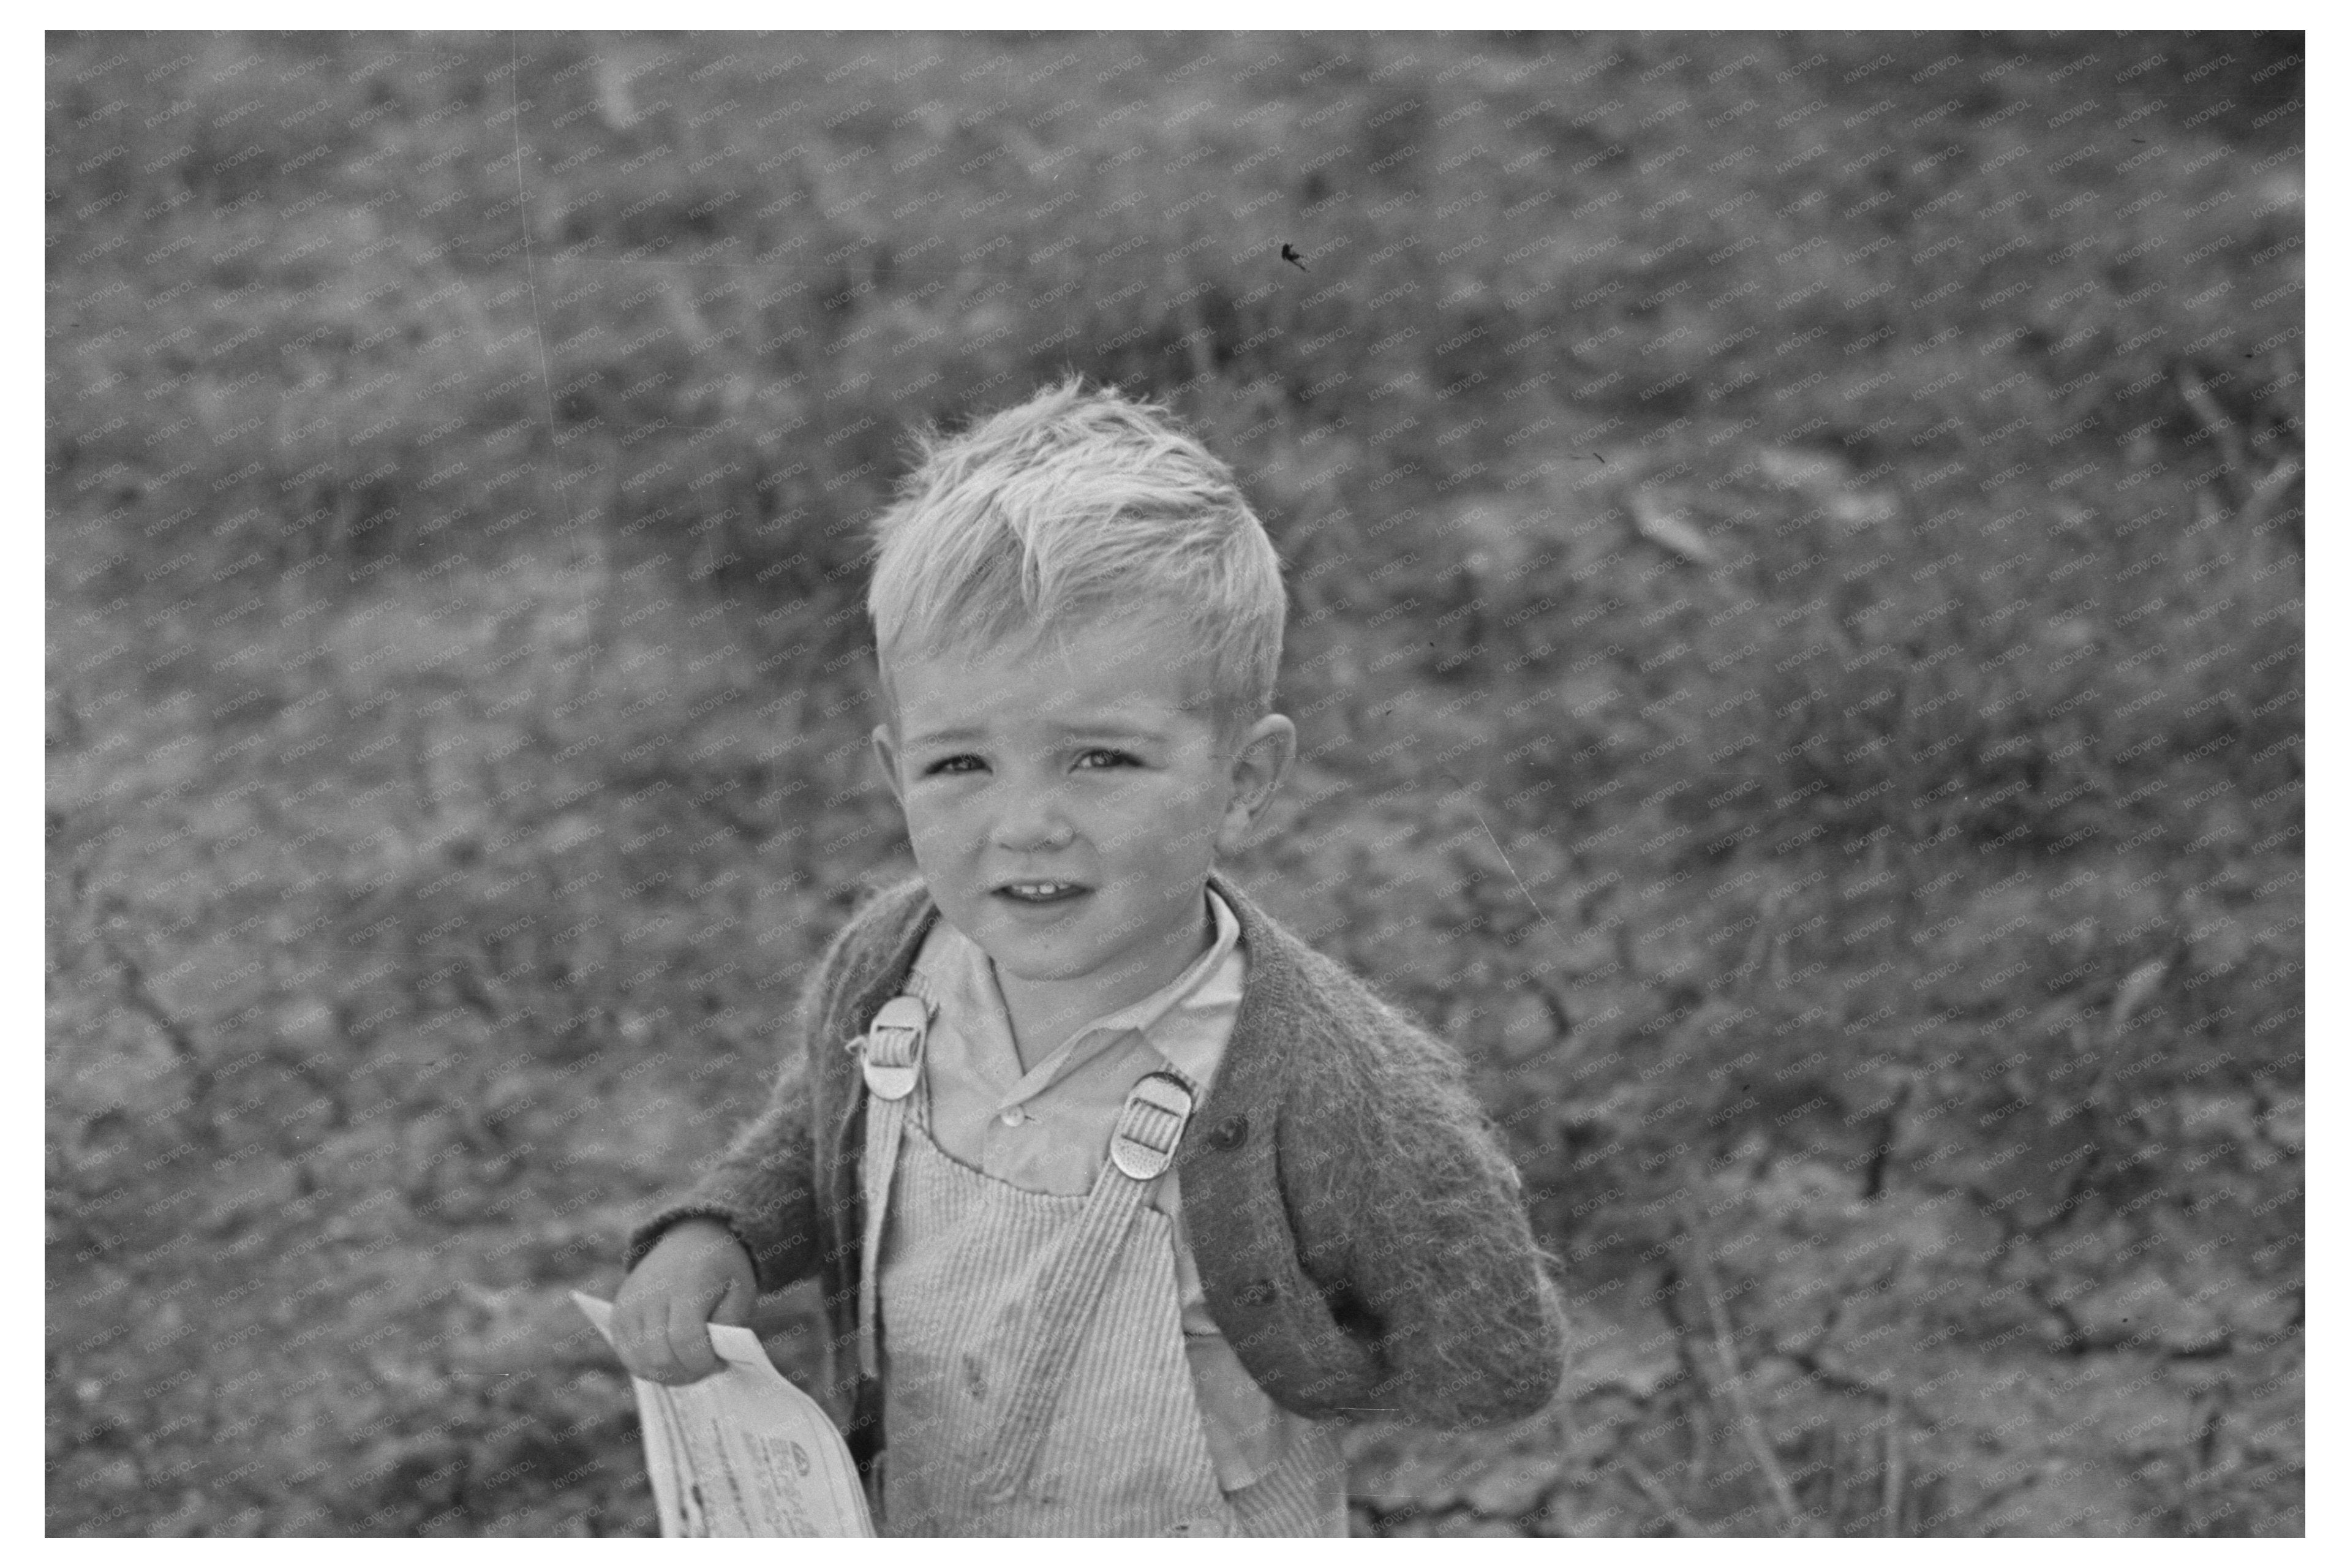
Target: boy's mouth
[1034,894]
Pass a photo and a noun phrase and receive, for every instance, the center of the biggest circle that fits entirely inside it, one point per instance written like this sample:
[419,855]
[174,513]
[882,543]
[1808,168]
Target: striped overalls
[1029,1344]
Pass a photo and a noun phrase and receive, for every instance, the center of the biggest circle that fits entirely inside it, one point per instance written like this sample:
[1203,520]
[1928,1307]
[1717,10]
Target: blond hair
[1070,508]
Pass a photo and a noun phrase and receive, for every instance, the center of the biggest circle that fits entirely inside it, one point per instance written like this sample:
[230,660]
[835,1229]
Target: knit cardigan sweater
[1359,1232]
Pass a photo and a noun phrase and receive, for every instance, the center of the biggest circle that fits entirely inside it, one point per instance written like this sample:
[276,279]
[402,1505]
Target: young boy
[1124,1197]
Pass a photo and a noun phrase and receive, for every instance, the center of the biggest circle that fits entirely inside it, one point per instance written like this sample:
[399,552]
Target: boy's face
[1076,762]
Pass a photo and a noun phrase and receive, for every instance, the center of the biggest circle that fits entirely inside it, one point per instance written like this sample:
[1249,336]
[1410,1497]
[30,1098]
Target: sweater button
[1230,1133]
[1256,1292]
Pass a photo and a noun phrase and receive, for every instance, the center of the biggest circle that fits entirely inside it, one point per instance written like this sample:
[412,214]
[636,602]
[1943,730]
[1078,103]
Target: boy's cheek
[926,831]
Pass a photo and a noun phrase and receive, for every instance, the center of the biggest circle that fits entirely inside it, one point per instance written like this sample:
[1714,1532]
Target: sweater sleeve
[763,1186]
[1437,1256]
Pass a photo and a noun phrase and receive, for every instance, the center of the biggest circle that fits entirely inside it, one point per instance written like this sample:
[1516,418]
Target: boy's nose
[1034,817]
[1033,825]
[1028,839]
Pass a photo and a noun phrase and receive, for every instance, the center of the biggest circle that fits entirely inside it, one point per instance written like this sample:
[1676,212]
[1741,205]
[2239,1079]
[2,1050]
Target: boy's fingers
[734,1307]
[647,1356]
[629,1335]
[689,1341]
[662,1331]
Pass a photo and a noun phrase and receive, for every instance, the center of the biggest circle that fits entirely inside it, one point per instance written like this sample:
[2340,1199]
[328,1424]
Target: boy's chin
[1028,969]
[1040,958]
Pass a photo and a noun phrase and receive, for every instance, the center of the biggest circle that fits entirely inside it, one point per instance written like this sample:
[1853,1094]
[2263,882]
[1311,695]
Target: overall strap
[1150,1125]
[891,1051]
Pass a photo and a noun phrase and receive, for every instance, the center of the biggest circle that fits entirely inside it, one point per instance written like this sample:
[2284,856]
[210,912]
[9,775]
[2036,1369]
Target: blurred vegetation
[1796,553]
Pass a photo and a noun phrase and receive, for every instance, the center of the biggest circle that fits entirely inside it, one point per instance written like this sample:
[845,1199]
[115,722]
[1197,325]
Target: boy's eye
[946,764]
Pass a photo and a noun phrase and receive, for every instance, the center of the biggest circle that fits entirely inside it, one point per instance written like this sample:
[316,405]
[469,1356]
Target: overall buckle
[893,1047]
[1150,1125]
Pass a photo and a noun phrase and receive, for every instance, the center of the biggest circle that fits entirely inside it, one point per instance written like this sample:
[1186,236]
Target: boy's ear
[1260,761]
[887,756]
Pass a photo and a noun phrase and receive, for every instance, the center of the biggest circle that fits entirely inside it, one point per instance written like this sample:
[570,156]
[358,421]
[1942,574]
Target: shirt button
[1012,1117]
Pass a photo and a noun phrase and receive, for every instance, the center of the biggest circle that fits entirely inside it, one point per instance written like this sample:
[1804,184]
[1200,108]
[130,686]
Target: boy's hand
[696,1275]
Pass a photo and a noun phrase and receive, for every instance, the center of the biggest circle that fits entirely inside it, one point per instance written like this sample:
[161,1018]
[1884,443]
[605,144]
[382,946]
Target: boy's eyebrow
[1118,727]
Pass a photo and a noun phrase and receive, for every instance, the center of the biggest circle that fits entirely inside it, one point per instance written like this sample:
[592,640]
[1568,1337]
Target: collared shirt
[1047,1129]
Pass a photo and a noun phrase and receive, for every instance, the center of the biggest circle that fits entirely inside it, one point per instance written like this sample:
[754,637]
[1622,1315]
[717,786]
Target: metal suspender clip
[1150,1125]
[893,1047]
